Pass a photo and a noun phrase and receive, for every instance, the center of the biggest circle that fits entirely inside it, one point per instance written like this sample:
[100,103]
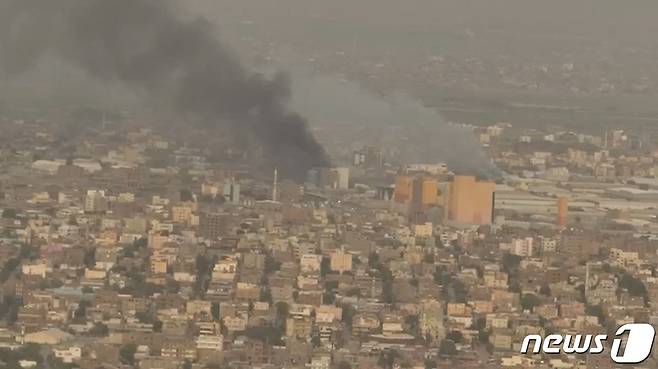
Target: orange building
[470,201]
[562,211]
[415,196]
[430,193]
[403,189]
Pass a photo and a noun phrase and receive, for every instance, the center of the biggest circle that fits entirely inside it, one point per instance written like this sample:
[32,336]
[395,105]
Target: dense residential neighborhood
[110,260]
[328,184]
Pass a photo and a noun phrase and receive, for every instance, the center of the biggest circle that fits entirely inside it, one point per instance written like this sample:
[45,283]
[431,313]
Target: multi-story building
[214,225]
[470,201]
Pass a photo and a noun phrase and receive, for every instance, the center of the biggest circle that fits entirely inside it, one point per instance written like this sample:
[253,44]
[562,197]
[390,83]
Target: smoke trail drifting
[325,99]
[144,44]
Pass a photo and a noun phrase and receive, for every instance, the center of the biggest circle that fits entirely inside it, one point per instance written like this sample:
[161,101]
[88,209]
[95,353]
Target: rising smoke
[398,123]
[144,44]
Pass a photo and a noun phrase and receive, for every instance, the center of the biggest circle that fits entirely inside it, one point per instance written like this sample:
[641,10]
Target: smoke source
[143,43]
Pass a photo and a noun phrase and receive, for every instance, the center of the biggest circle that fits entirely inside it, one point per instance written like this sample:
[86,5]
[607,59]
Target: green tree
[459,290]
[387,358]
[633,285]
[315,341]
[127,354]
[328,297]
[353,292]
[172,286]
[447,348]
[271,264]
[268,335]
[9,359]
[265,295]
[348,314]
[90,258]
[373,260]
[87,290]
[387,285]
[144,317]
[9,213]
[282,311]
[455,336]
[597,311]
[511,263]
[214,310]
[428,258]
[325,267]
[81,312]
[186,195]
[99,330]
[344,365]
[413,323]
[529,301]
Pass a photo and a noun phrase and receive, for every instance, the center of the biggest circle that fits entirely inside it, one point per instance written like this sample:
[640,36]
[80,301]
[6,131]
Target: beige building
[299,326]
[431,320]
[95,201]
[158,266]
[137,225]
[247,291]
[52,336]
[624,258]
[365,323]
[181,214]
[95,273]
[198,307]
[157,241]
[310,263]
[341,261]
[470,201]
[39,269]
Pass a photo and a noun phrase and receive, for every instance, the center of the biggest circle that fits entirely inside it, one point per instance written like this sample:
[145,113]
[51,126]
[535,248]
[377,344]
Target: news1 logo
[638,344]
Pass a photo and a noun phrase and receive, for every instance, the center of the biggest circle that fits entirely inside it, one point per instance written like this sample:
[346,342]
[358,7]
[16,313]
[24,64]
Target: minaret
[275,184]
[586,279]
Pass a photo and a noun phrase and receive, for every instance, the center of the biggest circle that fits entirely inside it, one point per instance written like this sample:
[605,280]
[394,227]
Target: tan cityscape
[314,184]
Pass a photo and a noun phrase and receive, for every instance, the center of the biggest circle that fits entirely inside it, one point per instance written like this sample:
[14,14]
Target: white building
[522,247]
[95,201]
[210,342]
[68,355]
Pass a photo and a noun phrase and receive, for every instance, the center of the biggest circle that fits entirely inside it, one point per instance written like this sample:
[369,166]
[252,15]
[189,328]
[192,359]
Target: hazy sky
[622,21]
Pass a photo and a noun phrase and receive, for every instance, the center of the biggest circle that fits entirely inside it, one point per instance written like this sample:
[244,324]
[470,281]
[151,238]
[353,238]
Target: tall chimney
[562,211]
[275,184]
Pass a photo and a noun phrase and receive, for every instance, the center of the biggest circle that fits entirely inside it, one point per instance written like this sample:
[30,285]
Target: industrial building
[415,196]
[469,201]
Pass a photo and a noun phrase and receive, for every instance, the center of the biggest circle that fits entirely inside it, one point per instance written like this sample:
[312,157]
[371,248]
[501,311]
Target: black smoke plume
[146,45]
